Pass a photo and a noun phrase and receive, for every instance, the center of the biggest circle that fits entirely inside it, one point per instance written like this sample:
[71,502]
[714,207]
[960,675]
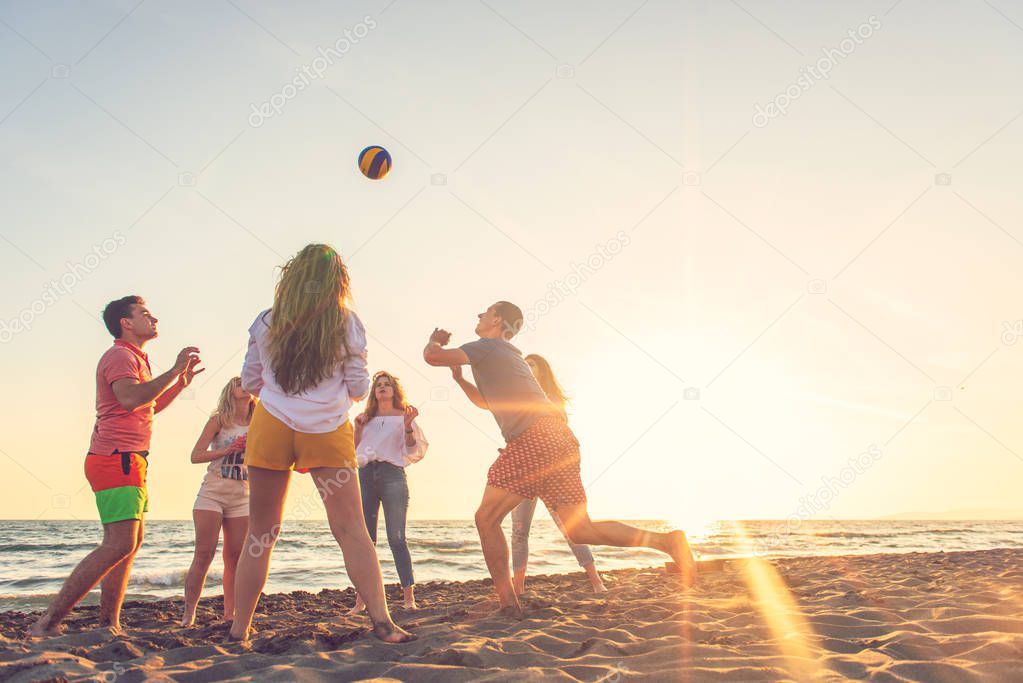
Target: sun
[698,528]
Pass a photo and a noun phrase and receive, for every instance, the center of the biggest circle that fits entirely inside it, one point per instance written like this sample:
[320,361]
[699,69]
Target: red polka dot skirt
[542,462]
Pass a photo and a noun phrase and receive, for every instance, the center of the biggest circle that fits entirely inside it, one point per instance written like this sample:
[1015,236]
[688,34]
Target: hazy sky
[739,299]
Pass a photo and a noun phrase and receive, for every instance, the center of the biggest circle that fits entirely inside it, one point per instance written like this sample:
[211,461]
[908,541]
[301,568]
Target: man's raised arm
[131,394]
[435,353]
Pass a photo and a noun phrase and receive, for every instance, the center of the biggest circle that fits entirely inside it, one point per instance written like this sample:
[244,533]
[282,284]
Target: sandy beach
[919,617]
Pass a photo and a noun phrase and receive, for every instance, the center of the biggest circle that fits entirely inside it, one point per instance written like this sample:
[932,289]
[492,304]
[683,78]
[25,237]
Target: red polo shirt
[117,428]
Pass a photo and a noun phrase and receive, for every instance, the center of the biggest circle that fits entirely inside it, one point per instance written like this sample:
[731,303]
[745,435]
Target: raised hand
[411,413]
[185,356]
[191,370]
[440,336]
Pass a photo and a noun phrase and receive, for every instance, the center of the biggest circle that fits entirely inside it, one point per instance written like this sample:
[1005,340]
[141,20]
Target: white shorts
[229,497]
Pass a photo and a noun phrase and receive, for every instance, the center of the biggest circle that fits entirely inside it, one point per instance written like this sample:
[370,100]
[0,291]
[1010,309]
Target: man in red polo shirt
[127,396]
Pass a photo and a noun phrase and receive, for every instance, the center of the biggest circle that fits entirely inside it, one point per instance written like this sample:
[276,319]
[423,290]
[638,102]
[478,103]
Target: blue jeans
[382,482]
[522,519]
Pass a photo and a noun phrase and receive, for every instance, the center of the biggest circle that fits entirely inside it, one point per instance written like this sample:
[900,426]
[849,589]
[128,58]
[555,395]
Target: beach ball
[374,162]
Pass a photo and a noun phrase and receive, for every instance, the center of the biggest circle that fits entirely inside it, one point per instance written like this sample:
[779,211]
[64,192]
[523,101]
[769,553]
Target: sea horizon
[40,554]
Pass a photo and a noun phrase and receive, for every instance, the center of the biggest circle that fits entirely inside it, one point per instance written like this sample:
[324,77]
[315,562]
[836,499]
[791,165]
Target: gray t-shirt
[507,385]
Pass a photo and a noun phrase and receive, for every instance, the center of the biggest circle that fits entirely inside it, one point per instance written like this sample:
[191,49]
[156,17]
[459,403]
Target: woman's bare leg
[207,537]
[268,489]
[339,489]
[235,529]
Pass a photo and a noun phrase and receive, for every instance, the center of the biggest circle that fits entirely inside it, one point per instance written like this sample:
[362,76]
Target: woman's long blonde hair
[373,405]
[548,382]
[225,405]
[307,332]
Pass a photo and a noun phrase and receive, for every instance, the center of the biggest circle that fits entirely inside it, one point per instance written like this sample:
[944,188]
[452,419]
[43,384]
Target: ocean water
[35,556]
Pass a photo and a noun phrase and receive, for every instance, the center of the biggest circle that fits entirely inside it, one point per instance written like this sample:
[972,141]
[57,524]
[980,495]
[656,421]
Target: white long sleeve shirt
[322,408]
[383,440]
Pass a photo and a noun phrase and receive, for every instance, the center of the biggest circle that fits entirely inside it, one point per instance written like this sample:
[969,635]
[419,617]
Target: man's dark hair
[117,309]
[512,317]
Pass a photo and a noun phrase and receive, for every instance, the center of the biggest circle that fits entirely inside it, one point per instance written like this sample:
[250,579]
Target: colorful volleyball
[374,162]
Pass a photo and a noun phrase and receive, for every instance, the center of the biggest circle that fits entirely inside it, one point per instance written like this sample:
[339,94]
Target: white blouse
[317,410]
[383,440]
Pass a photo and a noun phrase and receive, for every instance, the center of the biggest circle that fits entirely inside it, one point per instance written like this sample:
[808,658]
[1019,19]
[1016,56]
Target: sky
[771,249]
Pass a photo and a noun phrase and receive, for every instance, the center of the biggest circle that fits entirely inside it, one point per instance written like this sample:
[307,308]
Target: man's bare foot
[43,629]
[359,605]
[598,585]
[392,633]
[187,620]
[678,547]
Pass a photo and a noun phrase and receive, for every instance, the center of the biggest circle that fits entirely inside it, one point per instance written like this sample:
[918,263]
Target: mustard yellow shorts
[274,445]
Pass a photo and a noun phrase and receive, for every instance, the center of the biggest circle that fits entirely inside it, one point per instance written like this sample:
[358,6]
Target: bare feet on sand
[43,629]
[512,612]
[359,606]
[596,583]
[392,633]
[410,597]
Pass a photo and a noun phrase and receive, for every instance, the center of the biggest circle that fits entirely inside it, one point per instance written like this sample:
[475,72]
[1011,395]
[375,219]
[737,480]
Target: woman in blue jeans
[387,440]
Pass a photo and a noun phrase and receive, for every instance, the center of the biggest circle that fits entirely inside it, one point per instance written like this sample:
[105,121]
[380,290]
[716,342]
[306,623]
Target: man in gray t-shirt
[507,385]
[541,458]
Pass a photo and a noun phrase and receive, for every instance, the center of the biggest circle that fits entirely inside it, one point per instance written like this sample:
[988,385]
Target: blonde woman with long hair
[387,440]
[522,516]
[223,500]
[307,363]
